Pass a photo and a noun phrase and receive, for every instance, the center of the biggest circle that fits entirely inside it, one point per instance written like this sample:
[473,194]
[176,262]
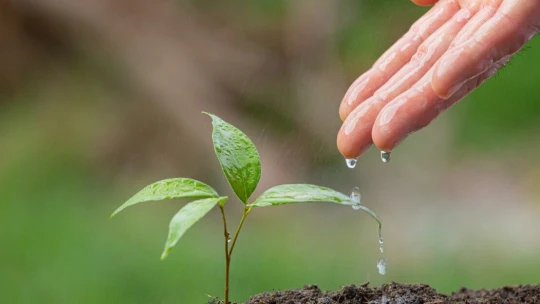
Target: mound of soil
[396,293]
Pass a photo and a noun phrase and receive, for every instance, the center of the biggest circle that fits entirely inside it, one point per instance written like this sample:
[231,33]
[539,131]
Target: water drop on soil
[351,162]
[385,156]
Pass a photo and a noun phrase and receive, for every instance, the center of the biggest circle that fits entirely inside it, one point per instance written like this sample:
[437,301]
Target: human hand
[446,54]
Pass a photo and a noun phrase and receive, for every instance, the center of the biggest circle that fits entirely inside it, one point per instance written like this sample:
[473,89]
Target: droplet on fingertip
[351,162]
[385,156]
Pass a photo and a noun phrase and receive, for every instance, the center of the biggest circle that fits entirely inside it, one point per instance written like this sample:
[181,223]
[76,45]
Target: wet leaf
[300,193]
[185,218]
[238,157]
[170,189]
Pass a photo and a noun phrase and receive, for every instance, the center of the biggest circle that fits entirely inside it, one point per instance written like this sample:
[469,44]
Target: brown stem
[227,256]
[228,252]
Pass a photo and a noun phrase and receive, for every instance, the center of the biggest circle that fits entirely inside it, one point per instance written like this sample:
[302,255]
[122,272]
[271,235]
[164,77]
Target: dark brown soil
[396,293]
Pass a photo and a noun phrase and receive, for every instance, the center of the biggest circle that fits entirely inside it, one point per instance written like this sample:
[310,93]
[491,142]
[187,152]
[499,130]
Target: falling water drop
[385,156]
[381,265]
[381,262]
[381,241]
[351,162]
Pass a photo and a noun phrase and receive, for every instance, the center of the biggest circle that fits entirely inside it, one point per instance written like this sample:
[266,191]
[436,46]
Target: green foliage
[241,165]
[299,193]
[238,157]
[186,217]
[170,189]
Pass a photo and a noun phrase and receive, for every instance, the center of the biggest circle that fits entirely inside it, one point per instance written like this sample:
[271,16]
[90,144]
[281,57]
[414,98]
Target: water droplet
[381,262]
[355,197]
[229,239]
[381,265]
[381,241]
[385,156]
[351,162]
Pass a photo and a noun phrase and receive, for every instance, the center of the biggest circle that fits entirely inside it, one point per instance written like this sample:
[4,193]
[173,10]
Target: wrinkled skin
[446,54]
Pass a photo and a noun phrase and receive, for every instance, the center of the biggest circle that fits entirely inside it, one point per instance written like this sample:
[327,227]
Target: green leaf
[186,217]
[170,189]
[299,193]
[238,157]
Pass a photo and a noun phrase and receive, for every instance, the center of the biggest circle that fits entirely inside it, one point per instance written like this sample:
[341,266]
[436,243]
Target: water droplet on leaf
[355,195]
[355,198]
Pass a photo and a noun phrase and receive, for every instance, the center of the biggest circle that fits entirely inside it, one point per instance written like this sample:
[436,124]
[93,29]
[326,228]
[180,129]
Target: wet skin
[446,54]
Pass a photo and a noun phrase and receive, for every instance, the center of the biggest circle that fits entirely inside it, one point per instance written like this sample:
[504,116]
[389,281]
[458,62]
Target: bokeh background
[100,97]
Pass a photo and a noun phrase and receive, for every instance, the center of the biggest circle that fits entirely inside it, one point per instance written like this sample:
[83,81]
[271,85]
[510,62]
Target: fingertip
[389,128]
[352,147]
[343,111]
[354,136]
[383,138]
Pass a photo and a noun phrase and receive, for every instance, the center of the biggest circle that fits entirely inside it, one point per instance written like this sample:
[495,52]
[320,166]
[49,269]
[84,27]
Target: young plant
[241,165]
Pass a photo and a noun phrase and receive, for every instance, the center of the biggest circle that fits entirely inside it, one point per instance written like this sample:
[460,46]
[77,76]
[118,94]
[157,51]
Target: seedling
[241,165]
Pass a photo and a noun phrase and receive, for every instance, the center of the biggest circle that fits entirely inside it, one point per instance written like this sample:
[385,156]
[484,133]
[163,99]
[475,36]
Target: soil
[396,293]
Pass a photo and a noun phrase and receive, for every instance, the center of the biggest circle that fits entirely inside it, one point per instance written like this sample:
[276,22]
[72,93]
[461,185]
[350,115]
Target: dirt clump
[396,293]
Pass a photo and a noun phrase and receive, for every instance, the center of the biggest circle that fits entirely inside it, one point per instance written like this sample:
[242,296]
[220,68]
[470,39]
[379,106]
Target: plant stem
[227,257]
[228,252]
[244,215]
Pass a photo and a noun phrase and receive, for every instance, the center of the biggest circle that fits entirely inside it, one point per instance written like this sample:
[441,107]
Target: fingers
[419,106]
[400,94]
[424,2]
[397,56]
[503,34]
[483,15]
[355,135]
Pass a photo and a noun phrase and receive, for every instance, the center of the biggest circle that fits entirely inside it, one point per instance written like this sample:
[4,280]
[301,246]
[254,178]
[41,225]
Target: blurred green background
[99,98]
